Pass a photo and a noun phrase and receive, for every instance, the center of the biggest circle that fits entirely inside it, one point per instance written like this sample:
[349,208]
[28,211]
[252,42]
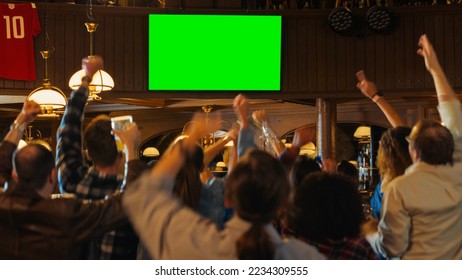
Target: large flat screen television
[214,52]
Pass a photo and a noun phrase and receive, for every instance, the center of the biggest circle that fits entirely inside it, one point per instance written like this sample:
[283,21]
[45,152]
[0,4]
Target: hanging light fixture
[49,98]
[101,80]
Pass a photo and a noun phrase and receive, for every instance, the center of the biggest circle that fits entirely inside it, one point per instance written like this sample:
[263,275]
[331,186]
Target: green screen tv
[214,52]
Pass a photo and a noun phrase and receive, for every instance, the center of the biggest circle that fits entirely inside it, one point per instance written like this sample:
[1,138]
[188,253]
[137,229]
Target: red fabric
[19,24]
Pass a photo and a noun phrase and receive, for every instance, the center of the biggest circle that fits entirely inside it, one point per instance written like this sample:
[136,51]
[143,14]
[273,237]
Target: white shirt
[422,209]
[172,231]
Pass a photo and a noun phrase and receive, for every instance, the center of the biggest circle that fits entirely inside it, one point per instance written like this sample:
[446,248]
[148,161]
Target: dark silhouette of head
[33,165]
[258,186]
[347,168]
[432,142]
[303,166]
[326,206]
[393,154]
[100,142]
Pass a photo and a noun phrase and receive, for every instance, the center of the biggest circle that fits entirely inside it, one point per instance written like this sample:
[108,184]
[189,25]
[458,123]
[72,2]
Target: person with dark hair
[302,167]
[99,180]
[256,188]
[327,213]
[35,226]
[422,210]
[347,168]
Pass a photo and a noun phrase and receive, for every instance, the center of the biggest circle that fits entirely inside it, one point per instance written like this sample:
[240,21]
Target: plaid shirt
[346,249]
[74,176]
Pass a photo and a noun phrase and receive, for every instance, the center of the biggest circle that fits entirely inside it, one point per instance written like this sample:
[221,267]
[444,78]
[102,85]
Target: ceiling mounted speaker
[379,19]
[341,20]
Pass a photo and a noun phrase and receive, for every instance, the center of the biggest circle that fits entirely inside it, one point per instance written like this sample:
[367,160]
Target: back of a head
[100,142]
[433,142]
[347,168]
[188,184]
[33,164]
[257,187]
[326,206]
[393,155]
[303,166]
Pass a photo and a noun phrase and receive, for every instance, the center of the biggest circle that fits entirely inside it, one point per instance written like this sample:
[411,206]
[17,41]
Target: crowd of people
[271,205]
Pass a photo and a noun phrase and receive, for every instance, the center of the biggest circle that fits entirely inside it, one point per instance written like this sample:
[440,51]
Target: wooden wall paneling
[350,65]
[108,33]
[446,31]
[331,58]
[360,54]
[198,4]
[302,64]
[389,56]
[69,51]
[128,53]
[311,54]
[53,38]
[458,49]
[409,51]
[119,61]
[429,30]
[422,24]
[227,4]
[340,62]
[284,56]
[140,57]
[370,56]
[321,53]
[292,54]
[59,39]
[399,57]
[380,62]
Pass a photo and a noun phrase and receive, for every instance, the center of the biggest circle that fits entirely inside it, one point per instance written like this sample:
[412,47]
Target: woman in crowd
[256,188]
[327,213]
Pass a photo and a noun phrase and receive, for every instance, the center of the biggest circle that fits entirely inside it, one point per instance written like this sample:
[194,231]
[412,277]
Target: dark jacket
[35,228]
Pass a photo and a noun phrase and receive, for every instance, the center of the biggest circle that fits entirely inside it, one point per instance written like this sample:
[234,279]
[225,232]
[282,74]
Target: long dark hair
[188,184]
[326,206]
[257,186]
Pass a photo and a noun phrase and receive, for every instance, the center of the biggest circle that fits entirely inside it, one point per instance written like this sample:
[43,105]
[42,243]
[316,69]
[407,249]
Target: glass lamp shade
[362,132]
[151,152]
[48,97]
[101,81]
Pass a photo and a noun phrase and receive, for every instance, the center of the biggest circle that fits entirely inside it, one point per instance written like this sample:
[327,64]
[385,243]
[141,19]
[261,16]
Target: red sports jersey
[19,23]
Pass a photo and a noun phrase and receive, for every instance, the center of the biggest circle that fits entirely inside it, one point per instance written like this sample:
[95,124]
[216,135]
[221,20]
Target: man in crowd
[422,211]
[33,226]
[99,180]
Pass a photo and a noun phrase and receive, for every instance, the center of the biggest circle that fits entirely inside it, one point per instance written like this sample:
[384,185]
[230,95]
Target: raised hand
[241,109]
[428,53]
[30,110]
[91,64]
[367,87]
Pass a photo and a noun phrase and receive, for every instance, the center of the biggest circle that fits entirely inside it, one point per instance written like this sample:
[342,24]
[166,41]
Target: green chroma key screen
[214,52]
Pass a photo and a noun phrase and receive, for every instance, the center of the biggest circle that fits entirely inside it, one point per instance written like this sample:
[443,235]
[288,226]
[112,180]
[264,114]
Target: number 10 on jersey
[14,25]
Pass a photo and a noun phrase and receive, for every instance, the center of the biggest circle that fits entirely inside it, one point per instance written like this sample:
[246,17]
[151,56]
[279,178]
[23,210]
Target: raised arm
[29,112]
[69,157]
[369,89]
[444,91]
[246,133]
[261,120]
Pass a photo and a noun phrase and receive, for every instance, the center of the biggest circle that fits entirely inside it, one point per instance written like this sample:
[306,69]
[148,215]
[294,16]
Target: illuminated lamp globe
[101,81]
[49,98]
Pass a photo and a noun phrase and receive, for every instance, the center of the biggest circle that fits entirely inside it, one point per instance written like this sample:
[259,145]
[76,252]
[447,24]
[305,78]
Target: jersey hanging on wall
[19,23]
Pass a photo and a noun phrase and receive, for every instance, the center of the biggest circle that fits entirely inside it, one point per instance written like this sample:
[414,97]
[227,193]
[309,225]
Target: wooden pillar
[326,110]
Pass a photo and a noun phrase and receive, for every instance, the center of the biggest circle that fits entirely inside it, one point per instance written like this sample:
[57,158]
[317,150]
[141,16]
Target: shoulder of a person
[301,250]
